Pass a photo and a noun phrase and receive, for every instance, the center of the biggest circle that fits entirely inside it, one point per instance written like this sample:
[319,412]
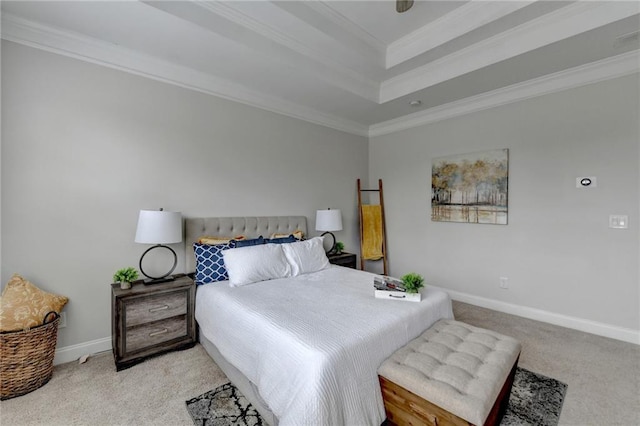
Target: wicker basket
[26,357]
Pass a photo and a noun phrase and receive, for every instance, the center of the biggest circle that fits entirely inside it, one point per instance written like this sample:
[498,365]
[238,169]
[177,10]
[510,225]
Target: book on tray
[382,282]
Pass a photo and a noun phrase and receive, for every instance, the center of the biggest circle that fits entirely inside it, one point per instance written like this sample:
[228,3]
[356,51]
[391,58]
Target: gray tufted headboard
[250,227]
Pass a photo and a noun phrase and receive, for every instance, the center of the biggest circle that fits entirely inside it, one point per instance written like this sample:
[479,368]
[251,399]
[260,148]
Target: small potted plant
[125,277]
[413,282]
[339,247]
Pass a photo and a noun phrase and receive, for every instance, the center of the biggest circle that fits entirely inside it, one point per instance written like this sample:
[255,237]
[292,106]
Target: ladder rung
[384,240]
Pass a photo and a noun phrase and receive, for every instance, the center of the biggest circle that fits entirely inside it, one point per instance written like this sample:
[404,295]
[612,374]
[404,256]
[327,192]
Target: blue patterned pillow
[254,242]
[282,240]
[210,263]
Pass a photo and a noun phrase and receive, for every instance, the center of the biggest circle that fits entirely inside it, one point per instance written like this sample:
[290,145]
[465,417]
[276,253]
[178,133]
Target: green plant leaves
[128,274]
[413,282]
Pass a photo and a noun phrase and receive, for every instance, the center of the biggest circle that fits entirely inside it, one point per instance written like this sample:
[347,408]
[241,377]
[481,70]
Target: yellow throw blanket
[372,232]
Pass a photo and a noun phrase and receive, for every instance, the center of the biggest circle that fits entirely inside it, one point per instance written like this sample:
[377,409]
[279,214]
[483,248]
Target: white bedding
[312,343]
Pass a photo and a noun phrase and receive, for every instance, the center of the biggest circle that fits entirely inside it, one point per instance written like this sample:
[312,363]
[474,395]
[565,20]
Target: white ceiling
[350,65]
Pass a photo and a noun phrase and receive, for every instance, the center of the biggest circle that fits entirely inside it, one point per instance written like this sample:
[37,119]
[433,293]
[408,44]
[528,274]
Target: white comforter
[312,344]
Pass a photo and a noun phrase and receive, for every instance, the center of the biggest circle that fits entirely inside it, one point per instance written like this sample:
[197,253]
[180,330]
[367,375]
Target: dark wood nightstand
[151,319]
[343,259]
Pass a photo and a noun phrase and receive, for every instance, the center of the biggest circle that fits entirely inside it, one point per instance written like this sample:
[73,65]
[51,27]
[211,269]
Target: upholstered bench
[453,374]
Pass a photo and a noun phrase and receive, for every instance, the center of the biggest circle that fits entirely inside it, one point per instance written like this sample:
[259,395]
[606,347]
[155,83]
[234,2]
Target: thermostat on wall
[586,182]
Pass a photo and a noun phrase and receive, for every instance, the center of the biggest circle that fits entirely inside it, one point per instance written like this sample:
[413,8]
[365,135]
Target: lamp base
[166,279]
[332,250]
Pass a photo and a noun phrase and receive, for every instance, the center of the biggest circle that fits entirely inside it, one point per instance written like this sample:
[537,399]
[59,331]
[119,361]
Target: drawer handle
[159,308]
[157,333]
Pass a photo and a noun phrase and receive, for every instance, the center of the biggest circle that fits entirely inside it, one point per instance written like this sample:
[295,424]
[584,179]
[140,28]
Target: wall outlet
[504,283]
[63,320]
[619,221]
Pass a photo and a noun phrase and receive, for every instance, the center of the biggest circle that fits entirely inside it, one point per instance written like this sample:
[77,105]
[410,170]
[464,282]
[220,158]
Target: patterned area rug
[223,406]
[535,400]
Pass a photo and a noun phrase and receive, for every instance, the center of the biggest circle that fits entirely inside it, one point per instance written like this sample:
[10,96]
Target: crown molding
[606,69]
[87,49]
[339,75]
[349,26]
[568,21]
[114,56]
[466,18]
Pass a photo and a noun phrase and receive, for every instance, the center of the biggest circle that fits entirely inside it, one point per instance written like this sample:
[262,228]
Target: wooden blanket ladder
[373,236]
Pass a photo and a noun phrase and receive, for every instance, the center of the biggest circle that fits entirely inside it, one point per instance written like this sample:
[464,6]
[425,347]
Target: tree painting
[470,188]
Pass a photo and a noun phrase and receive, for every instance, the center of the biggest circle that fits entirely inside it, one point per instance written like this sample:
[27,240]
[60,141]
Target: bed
[304,349]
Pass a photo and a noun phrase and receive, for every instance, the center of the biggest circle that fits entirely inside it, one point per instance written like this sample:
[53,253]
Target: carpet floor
[603,378]
[535,400]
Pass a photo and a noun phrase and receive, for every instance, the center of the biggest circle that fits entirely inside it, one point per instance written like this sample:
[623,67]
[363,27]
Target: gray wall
[84,148]
[557,250]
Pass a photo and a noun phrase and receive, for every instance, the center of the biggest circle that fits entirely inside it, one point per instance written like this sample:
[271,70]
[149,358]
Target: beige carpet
[603,377]
[151,393]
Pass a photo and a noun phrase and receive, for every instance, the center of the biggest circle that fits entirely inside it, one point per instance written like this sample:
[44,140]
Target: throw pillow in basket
[23,305]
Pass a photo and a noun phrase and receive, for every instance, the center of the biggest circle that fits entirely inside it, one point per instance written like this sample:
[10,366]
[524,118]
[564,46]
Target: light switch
[618,221]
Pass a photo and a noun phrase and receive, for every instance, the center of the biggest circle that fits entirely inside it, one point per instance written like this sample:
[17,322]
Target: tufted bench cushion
[460,368]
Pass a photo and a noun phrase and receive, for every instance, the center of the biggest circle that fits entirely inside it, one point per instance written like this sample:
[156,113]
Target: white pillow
[306,256]
[251,264]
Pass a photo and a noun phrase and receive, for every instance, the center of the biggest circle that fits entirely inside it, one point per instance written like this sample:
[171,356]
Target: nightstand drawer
[154,308]
[148,320]
[147,335]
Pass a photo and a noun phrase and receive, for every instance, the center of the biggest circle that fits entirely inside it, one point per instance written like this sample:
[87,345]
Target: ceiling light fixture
[403,5]
[415,103]
[625,39]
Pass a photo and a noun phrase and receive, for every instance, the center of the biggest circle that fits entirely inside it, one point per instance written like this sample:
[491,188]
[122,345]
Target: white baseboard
[588,326]
[74,352]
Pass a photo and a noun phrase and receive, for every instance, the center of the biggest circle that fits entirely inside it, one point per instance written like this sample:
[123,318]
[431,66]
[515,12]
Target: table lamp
[159,227]
[328,221]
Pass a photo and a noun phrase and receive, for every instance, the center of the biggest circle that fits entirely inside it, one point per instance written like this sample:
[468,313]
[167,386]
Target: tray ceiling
[351,65]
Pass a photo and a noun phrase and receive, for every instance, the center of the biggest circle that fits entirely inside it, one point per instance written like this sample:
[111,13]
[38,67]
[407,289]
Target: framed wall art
[471,188]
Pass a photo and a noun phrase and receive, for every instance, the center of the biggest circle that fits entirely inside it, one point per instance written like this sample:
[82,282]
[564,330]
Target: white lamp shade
[328,220]
[159,227]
